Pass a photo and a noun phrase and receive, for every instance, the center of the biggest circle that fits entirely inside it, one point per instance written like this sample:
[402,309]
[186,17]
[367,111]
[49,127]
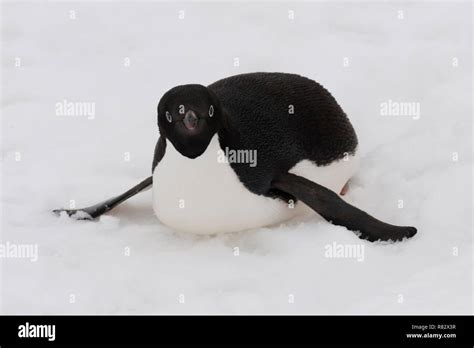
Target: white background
[74,158]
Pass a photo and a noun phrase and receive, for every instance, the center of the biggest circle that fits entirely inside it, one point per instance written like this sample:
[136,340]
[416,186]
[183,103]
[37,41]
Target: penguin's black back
[257,108]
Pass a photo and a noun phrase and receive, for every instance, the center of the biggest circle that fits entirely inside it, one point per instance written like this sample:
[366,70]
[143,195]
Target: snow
[128,262]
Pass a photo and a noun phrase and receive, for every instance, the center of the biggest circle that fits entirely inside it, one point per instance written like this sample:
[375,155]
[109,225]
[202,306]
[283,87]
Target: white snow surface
[128,262]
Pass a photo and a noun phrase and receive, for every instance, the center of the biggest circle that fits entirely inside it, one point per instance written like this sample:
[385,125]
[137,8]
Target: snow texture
[365,53]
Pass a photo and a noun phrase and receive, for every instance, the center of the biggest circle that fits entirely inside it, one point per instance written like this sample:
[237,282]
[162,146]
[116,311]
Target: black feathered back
[258,110]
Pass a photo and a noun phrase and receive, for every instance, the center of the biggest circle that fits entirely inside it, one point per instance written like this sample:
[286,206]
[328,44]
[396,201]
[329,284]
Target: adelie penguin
[304,152]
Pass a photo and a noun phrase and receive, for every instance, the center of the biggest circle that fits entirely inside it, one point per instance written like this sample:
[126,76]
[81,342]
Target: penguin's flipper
[98,209]
[334,209]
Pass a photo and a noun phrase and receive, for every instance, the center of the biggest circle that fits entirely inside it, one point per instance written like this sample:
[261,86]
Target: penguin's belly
[205,196]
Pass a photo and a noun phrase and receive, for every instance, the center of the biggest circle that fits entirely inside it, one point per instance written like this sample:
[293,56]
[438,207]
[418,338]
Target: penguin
[252,150]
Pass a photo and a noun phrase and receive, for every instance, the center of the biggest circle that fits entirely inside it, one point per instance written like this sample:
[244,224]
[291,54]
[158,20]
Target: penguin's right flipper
[334,209]
[98,209]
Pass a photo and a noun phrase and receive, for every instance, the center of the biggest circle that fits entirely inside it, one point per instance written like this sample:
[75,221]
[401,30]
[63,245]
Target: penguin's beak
[190,120]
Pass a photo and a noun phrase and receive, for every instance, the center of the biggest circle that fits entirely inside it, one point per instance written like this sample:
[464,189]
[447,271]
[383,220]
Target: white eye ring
[169,117]
[211,111]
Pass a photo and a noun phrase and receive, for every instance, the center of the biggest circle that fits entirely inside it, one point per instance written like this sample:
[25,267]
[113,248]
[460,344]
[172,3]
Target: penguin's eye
[211,111]
[169,117]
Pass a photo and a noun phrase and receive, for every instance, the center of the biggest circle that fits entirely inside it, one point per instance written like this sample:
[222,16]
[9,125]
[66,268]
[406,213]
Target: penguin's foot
[344,189]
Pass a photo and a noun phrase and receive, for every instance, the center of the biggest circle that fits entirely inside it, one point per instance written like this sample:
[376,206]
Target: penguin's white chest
[204,195]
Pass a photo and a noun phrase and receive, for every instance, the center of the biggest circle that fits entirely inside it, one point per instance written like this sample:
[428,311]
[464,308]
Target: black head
[189,116]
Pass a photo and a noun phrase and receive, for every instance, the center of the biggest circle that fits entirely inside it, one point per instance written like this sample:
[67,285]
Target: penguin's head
[189,116]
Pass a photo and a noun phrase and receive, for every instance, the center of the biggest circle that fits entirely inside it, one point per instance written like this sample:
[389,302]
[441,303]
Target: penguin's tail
[98,209]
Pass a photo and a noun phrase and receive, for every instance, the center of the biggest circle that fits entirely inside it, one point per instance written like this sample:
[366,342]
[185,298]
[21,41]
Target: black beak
[190,120]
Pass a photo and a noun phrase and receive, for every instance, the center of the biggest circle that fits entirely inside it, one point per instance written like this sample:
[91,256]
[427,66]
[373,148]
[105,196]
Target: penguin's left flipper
[98,209]
[334,209]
